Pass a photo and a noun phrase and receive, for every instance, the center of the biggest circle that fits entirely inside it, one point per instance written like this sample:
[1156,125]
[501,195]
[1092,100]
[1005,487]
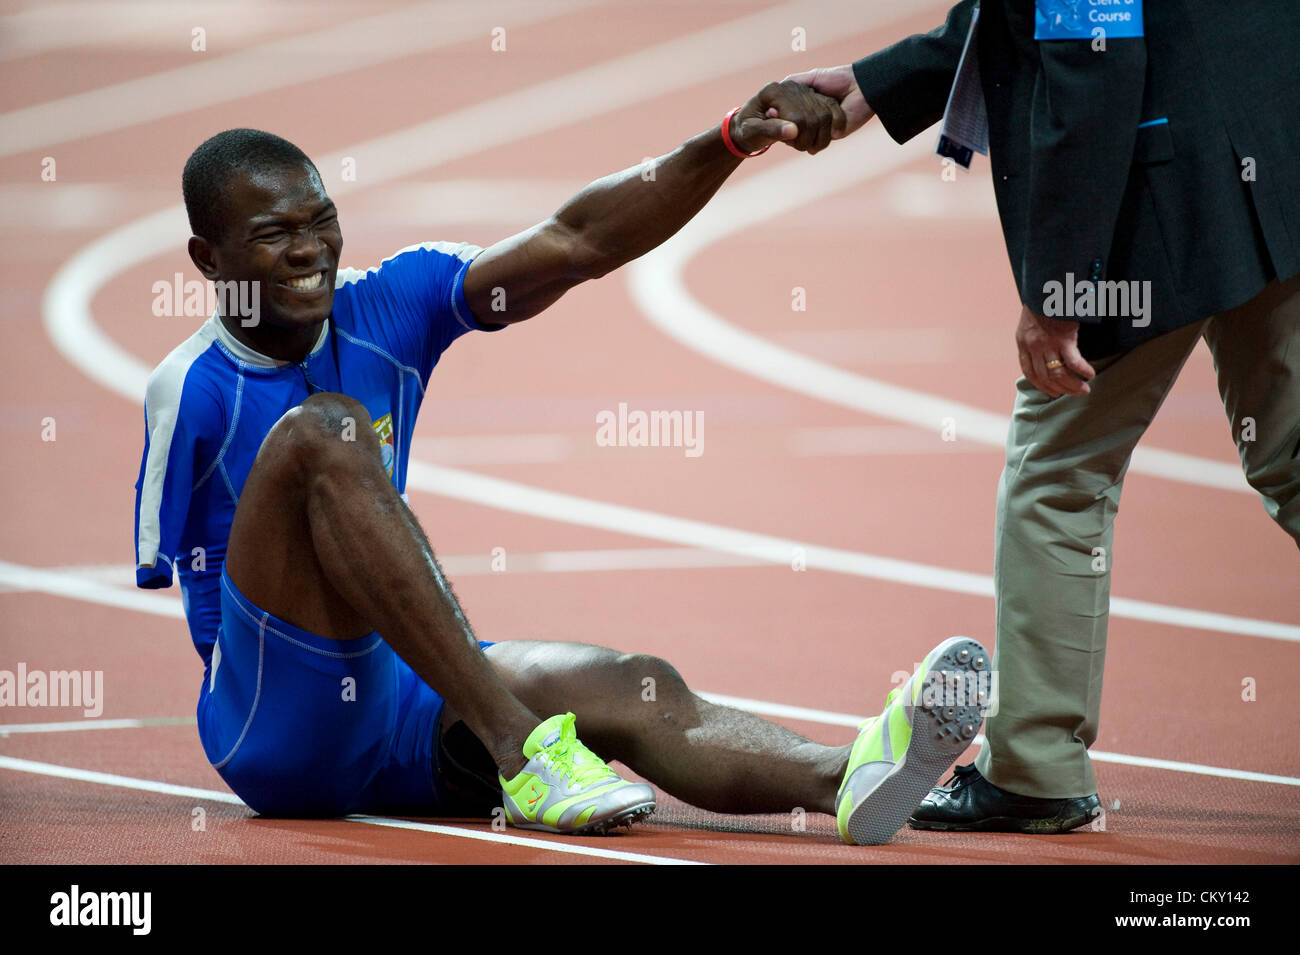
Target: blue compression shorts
[298,725]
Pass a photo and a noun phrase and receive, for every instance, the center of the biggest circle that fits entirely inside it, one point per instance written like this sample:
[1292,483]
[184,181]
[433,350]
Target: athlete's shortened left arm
[620,217]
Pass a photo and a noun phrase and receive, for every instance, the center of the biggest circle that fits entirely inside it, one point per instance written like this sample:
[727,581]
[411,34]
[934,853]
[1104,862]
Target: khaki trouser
[1066,459]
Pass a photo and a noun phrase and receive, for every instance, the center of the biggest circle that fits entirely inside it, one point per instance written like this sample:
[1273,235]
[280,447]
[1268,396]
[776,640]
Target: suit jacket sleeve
[907,84]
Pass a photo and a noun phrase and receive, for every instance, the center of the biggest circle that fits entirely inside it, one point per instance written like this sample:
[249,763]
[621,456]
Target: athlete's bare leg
[322,540]
[710,756]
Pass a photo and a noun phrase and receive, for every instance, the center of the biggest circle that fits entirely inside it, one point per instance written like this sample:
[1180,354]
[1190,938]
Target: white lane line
[110,575]
[622,558]
[576,849]
[784,711]
[1176,766]
[544,447]
[59,584]
[1148,762]
[212,795]
[73,726]
[616,84]
[111,779]
[299,58]
[18,578]
[658,286]
[553,505]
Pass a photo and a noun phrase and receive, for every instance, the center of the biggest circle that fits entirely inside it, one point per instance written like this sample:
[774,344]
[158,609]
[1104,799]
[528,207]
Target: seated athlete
[275,457]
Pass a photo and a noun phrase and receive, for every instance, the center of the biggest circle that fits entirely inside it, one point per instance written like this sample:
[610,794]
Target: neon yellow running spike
[900,755]
[566,788]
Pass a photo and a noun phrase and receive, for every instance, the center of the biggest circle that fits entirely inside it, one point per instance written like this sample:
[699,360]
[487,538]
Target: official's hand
[1049,355]
[839,83]
[787,112]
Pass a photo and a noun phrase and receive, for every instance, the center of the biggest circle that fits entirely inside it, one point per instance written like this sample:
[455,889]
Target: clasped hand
[788,112]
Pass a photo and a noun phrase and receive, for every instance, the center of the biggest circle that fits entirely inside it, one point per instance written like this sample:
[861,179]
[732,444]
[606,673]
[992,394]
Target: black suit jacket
[1082,190]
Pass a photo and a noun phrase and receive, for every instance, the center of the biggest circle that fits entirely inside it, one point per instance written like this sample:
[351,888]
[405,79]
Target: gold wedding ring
[1055,363]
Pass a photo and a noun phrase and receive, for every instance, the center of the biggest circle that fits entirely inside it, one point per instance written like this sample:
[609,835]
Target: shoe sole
[939,735]
[601,827]
[1047,826]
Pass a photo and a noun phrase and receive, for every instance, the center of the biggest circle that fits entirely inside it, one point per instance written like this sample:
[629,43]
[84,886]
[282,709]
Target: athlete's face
[282,231]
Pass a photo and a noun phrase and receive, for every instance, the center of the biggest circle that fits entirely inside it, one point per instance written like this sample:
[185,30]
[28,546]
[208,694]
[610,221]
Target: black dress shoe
[970,803]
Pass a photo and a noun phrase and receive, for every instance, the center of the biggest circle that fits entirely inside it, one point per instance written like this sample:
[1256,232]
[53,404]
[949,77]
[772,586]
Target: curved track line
[77,726]
[658,287]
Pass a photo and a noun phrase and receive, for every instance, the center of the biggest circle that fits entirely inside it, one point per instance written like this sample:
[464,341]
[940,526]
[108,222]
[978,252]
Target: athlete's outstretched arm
[622,216]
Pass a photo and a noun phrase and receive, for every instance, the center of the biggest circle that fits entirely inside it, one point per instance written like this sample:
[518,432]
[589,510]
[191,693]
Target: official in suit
[1161,167]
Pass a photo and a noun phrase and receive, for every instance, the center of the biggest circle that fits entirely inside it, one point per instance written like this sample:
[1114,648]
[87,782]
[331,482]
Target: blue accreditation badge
[1083,19]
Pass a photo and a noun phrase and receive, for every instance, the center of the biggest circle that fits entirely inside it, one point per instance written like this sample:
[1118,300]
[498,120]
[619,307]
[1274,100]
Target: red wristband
[726,138]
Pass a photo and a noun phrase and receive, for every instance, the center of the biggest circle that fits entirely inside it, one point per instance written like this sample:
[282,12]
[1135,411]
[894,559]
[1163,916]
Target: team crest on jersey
[384,428]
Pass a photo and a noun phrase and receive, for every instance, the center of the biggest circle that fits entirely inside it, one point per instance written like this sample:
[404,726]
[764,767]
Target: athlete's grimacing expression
[282,230]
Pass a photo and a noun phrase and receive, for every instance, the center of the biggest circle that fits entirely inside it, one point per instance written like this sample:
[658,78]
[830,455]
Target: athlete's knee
[653,678]
[333,410]
[332,421]
[325,434]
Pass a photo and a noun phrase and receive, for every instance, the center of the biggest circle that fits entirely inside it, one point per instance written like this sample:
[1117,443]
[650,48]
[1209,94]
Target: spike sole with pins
[940,733]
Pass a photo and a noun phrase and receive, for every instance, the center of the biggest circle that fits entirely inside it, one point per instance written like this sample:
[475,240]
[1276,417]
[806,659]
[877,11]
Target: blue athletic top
[213,400]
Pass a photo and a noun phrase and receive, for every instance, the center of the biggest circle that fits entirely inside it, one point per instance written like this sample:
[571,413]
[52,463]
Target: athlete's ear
[201,254]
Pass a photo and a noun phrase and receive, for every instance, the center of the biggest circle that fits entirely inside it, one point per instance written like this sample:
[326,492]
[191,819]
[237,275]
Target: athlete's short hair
[210,169]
